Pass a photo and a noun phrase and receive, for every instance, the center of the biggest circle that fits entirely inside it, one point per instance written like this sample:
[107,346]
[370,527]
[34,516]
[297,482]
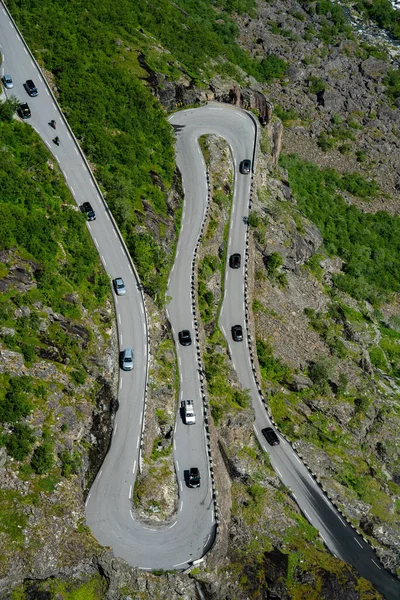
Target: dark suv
[270,436]
[31,88]
[245,166]
[234,261]
[86,208]
[194,477]
[185,338]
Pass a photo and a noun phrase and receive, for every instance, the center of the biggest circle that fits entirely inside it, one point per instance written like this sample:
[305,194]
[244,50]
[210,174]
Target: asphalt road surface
[109,505]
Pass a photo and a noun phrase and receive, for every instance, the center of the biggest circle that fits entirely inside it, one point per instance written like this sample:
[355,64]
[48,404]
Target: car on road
[87,209]
[24,111]
[7,82]
[185,338]
[119,286]
[235,261]
[270,436]
[237,333]
[126,359]
[245,166]
[31,88]
[188,412]
[194,477]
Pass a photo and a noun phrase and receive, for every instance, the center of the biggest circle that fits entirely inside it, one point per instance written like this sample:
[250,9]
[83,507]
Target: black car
[31,88]
[24,111]
[270,436]
[185,338]
[86,208]
[245,166]
[237,333]
[194,477]
[234,261]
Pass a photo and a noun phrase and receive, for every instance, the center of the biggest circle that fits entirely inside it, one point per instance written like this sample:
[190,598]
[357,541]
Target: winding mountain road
[109,508]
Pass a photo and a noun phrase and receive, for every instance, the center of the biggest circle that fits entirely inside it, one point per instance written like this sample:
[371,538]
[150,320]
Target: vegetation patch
[365,242]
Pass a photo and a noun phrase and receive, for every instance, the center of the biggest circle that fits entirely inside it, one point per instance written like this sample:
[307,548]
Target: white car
[188,412]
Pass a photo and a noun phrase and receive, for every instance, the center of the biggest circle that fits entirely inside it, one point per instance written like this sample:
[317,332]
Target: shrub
[19,442]
[253,219]
[316,85]
[8,109]
[14,403]
[42,459]
[70,463]
[320,373]
[272,369]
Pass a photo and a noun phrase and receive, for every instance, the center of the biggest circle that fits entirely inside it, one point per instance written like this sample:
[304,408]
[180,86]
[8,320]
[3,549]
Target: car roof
[5,76]
[128,352]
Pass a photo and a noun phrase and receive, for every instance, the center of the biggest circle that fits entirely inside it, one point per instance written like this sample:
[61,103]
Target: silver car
[126,359]
[8,82]
[119,286]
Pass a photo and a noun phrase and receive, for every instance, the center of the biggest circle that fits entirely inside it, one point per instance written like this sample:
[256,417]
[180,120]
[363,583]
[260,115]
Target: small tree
[8,108]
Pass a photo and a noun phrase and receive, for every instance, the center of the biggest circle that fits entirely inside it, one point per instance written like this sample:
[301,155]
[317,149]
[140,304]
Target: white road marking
[130,270]
[142,309]
[181,506]
[212,516]
[214,108]
[376,564]
[177,254]
[180,485]
[144,328]
[130,492]
[324,540]
[357,542]
[115,429]
[99,475]
[120,338]
[96,242]
[76,150]
[177,466]
[173,525]
[91,181]
[138,442]
[69,137]
[230,240]
[122,250]
[179,360]
[341,520]
[107,217]
[102,258]
[297,458]
[115,233]
[120,384]
[294,495]
[223,330]
[182,563]
[307,515]
[241,116]
[87,499]
[119,319]
[133,518]
[278,471]
[134,467]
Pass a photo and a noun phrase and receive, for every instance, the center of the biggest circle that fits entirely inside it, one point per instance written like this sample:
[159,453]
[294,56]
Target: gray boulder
[373,68]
